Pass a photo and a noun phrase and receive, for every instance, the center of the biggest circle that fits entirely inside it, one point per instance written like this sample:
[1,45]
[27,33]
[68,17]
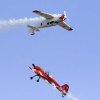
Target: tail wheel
[37,80]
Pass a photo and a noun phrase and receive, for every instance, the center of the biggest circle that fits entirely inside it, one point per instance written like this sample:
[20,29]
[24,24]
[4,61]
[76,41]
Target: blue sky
[72,57]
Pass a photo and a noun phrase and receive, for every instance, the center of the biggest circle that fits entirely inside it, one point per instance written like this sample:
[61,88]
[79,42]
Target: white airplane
[50,20]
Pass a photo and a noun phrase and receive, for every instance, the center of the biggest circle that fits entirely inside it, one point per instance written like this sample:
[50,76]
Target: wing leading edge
[43,14]
[65,26]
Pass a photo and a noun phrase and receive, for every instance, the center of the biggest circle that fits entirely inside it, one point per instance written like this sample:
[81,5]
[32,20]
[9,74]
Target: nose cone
[62,17]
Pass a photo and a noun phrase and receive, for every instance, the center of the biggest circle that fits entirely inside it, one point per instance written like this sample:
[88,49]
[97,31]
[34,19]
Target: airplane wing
[65,26]
[43,14]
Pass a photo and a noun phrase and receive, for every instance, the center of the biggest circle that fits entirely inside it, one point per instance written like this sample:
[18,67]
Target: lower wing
[65,26]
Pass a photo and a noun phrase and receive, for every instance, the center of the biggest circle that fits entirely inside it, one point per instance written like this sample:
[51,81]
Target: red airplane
[46,76]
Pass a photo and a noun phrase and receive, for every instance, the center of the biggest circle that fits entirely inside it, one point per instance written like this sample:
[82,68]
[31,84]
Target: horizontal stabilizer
[30,26]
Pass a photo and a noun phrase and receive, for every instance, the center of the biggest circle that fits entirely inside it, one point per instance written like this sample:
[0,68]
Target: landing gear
[31,78]
[41,24]
[38,79]
[62,95]
[35,76]
[33,33]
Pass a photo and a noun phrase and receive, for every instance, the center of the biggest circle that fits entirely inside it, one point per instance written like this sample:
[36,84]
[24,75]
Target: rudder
[65,87]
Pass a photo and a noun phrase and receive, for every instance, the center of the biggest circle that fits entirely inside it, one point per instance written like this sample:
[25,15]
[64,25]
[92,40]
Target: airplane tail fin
[65,88]
[32,29]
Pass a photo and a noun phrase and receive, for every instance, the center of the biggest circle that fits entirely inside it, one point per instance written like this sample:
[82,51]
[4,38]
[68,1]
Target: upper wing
[65,26]
[43,14]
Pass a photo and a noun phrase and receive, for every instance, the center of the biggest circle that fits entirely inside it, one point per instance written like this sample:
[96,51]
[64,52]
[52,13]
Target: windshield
[49,74]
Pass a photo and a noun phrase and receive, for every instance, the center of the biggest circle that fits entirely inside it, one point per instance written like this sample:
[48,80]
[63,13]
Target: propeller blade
[30,67]
[65,14]
[33,65]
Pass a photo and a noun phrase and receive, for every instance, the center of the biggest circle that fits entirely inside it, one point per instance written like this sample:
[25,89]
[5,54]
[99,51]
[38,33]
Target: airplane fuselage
[48,22]
[41,73]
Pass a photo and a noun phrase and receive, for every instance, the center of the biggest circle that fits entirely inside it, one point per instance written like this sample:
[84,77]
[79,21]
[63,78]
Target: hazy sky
[72,57]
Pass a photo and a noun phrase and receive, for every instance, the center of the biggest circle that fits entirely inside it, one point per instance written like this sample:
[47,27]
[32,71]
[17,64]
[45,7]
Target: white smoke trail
[22,21]
[71,97]
[14,22]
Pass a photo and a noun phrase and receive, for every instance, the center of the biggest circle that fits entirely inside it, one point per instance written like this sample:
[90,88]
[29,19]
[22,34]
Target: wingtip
[70,29]
[36,11]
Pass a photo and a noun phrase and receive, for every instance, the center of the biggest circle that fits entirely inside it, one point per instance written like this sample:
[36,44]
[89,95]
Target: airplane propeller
[65,15]
[33,65]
